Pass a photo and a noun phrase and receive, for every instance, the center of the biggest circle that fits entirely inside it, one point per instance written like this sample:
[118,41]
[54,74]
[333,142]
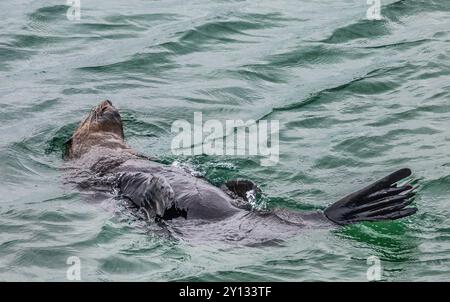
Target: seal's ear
[67,148]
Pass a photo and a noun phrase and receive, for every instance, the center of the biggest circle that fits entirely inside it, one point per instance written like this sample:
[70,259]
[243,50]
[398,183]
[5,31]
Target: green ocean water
[356,99]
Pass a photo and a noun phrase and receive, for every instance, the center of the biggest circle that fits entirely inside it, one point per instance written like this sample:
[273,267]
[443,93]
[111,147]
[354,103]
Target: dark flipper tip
[399,175]
[382,200]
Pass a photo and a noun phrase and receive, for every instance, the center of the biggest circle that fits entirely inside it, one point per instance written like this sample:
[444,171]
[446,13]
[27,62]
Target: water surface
[356,99]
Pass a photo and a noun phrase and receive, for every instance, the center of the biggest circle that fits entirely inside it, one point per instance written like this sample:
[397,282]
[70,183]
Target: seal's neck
[109,141]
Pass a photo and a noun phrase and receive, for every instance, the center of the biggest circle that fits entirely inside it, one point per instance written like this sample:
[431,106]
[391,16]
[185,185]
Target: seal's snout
[104,106]
[106,111]
[105,118]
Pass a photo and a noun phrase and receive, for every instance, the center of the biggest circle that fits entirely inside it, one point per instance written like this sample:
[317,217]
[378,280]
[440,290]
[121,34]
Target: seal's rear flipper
[382,200]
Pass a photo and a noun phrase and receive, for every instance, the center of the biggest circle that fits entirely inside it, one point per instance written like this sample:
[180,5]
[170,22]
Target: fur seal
[167,193]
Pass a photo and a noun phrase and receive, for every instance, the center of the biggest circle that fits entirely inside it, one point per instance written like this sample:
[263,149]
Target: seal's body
[169,193]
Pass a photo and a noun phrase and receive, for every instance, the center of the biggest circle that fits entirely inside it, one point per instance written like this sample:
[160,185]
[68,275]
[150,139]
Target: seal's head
[102,128]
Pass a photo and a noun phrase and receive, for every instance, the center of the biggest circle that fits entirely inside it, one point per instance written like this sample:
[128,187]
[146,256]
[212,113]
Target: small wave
[393,12]
[143,63]
[32,41]
[336,161]
[364,29]
[441,185]
[49,13]
[404,45]
[57,142]
[409,114]
[257,72]
[137,127]
[146,19]
[9,54]
[207,35]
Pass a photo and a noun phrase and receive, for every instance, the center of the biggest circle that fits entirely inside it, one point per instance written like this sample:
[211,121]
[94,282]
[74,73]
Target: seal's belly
[198,198]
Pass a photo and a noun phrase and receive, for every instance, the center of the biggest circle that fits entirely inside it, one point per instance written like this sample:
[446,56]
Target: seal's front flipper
[242,191]
[147,191]
[382,200]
